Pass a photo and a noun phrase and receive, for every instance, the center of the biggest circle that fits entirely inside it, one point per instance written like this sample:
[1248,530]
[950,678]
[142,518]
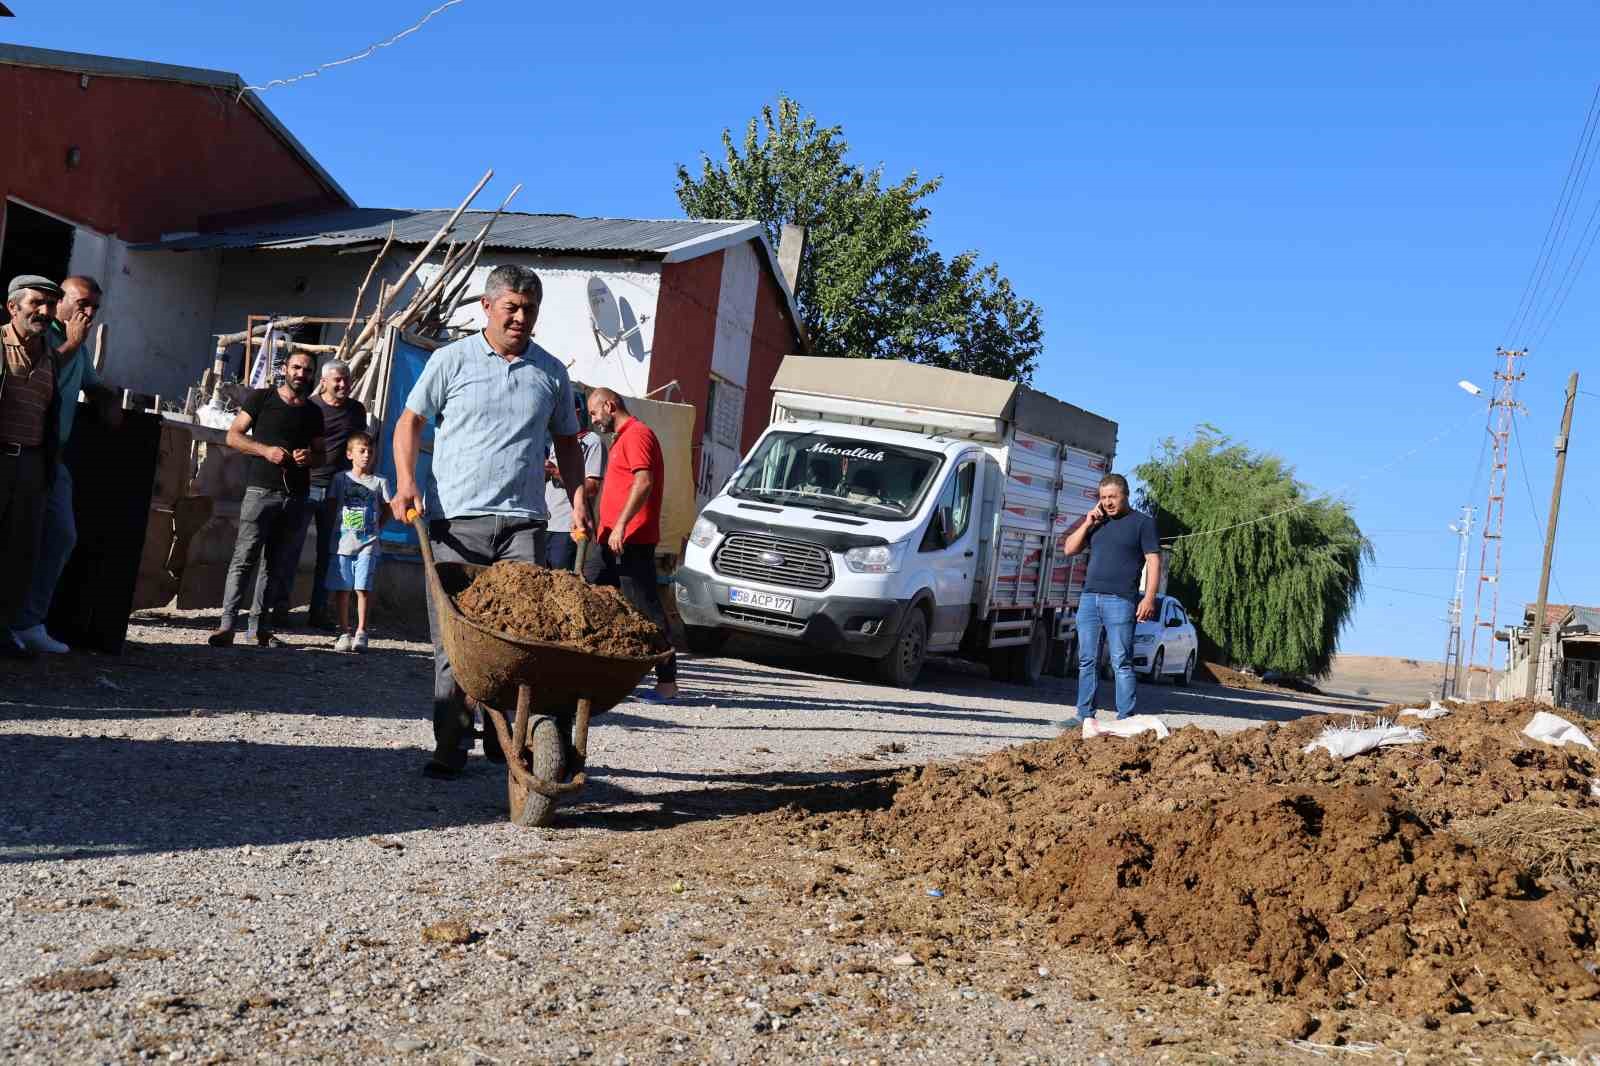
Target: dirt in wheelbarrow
[557,607]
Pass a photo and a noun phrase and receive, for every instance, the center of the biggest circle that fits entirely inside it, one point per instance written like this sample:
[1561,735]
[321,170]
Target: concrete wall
[629,299]
[317,281]
[157,312]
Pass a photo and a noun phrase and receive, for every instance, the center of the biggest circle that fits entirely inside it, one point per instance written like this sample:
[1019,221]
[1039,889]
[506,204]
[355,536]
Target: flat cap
[33,281]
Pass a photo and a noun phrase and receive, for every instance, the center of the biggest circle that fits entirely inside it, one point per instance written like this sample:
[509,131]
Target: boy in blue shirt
[360,498]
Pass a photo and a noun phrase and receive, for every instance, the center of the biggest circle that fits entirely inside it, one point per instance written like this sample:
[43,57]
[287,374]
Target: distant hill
[1392,679]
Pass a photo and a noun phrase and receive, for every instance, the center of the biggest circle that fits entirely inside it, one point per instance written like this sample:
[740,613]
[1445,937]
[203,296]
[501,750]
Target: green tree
[1270,569]
[870,283]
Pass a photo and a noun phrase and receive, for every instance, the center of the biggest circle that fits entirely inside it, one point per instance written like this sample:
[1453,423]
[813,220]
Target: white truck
[891,510]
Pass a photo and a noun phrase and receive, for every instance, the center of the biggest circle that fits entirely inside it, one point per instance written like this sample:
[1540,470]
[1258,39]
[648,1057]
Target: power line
[1548,247]
[363,54]
[1403,566]
[1533,506]
[1408,592]
[1309,501]
[1565,286]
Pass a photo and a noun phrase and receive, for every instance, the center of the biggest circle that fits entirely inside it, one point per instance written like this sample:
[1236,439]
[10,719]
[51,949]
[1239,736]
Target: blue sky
[1300,224]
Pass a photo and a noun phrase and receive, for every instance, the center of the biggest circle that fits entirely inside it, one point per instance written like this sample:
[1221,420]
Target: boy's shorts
[347,572]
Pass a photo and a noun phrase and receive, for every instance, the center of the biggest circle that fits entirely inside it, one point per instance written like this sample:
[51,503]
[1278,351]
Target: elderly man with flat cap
[30,414]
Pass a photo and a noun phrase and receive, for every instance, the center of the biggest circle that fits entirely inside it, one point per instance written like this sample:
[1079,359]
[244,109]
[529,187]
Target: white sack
[1555,730]
[1344,741]
[1435,709]
[1131,726]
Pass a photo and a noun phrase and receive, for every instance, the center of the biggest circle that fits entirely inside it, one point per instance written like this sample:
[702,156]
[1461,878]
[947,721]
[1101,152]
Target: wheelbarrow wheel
[546,758]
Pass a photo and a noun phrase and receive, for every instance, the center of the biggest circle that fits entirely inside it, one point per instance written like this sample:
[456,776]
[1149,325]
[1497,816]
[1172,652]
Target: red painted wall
[155,156]
[773,338]
[686,329]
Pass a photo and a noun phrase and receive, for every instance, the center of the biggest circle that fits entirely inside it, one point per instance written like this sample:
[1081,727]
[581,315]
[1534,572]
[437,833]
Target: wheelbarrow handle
[414,519]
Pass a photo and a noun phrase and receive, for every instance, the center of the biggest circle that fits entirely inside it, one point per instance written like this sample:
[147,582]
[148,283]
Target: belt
[14,450]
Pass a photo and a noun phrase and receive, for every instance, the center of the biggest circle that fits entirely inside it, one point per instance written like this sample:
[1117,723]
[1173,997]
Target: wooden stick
[422,257]
[451,303]
[362,291]
[359,355]
[414,309]
[452,266]
[226,339]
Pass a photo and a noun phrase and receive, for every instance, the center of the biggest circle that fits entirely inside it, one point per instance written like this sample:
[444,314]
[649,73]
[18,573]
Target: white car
[1167,645]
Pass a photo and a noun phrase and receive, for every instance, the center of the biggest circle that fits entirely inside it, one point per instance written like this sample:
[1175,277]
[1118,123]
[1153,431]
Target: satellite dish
[605,318]
[604,314]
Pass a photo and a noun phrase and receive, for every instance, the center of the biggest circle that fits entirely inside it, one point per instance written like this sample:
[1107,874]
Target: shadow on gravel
[604,802]
[82,797]
[951,677]
[634,721]
[155,680]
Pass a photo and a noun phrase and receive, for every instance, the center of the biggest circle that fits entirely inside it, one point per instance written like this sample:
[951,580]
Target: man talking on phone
[1121,543]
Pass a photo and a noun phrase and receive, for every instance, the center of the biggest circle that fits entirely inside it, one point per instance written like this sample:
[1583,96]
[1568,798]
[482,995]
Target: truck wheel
[1058,663]
[705,640]
[1027,660]
[904,661]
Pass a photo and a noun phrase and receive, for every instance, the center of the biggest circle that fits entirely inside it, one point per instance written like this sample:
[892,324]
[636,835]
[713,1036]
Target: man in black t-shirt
[281,431]
[342,415]
[1122,544]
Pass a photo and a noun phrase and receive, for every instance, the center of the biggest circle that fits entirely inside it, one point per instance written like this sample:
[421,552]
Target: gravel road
[214,855]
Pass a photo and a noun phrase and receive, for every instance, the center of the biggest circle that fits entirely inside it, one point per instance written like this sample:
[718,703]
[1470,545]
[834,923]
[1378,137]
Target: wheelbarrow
[554,689]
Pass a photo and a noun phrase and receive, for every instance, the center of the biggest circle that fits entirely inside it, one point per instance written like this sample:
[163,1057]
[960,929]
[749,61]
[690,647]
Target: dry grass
[1552,842]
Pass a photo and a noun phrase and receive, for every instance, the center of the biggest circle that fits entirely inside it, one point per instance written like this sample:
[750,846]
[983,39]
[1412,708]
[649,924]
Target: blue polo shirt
[493,420]
[77,374]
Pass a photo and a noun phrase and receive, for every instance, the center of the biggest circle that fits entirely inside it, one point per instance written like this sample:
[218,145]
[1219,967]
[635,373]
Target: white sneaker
[343,643]
[36,639]
[359,642]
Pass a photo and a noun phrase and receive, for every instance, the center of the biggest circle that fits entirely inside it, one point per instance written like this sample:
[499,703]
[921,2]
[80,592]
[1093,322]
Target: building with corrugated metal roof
[215,212]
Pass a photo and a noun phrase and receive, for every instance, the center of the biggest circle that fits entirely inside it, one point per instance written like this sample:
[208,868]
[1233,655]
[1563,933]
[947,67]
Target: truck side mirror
[947,526]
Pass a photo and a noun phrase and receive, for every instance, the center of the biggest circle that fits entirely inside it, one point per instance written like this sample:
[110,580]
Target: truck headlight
[703,533]
[878,559]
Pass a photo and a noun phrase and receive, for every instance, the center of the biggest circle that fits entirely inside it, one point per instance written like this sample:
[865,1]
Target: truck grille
[757,557]
[779,622]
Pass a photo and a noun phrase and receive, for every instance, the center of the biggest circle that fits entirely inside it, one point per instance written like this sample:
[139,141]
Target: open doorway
[34,243]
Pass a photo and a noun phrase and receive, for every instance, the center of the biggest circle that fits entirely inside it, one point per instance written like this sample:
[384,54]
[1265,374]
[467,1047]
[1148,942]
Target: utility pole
[1450,683]
[1550,537]
[1486,605]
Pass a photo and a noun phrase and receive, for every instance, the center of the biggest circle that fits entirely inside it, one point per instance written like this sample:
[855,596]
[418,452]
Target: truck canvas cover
[928,389]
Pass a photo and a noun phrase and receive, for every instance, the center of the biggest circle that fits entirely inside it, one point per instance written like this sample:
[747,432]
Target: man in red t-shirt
[630,517]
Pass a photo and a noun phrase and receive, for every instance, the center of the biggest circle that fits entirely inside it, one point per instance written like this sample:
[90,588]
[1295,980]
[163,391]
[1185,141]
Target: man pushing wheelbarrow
[496,400]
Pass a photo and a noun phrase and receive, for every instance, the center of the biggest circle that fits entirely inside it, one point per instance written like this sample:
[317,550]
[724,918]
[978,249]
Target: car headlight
[1144,638]
[703,533]
[878,559]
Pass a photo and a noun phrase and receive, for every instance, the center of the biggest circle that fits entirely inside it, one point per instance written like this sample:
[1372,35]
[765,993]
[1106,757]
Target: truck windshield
[829,473]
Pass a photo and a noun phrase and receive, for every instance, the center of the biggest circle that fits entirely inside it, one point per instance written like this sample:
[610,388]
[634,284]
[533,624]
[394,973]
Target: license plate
[764,601]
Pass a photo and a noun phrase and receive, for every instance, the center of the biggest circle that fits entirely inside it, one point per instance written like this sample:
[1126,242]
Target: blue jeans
[1114,615]
[559,550]
[56,541]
